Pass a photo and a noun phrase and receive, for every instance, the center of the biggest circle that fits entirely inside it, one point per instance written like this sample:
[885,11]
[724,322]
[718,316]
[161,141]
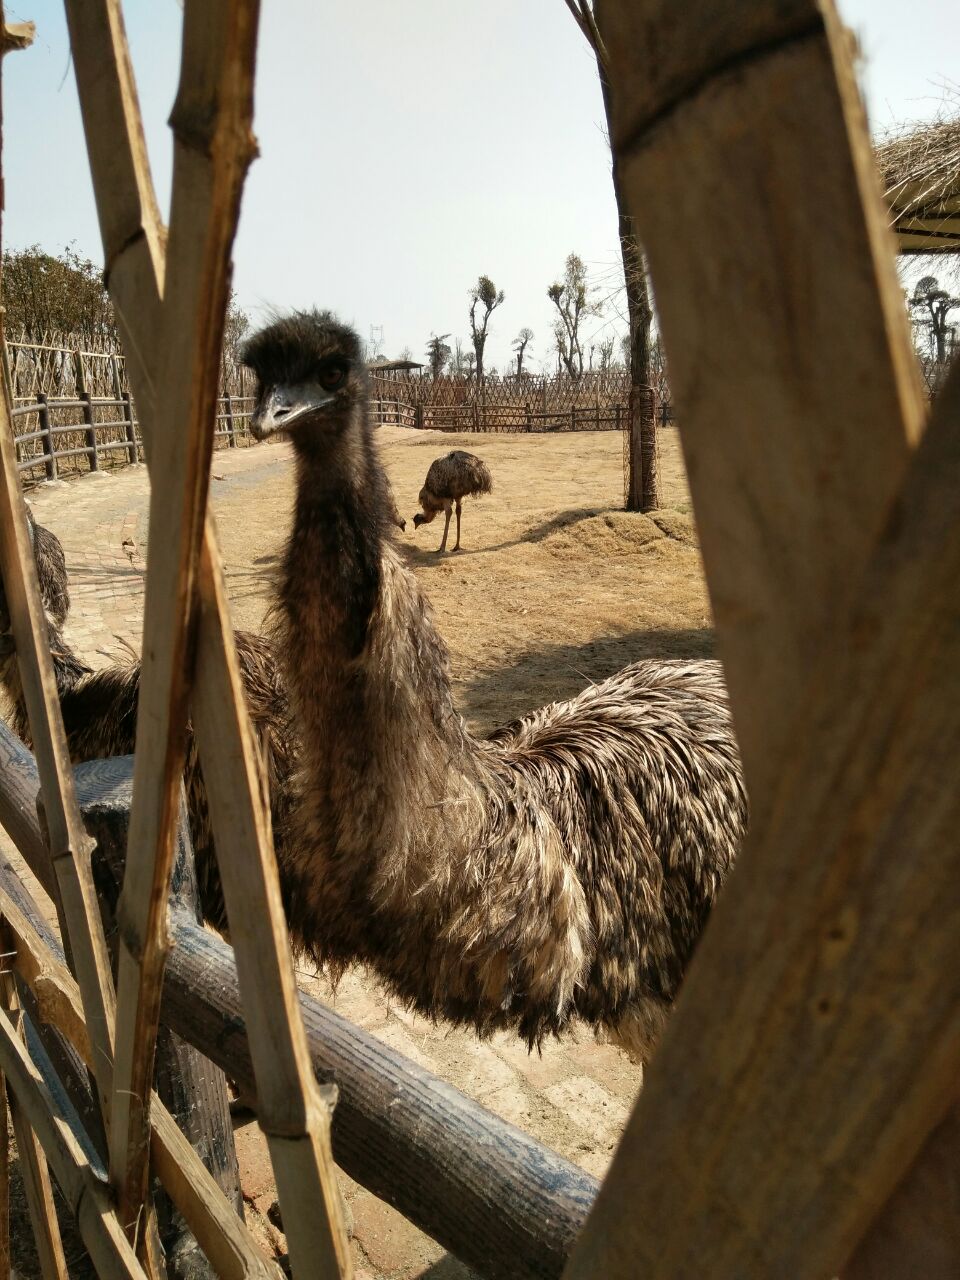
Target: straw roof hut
[920,171]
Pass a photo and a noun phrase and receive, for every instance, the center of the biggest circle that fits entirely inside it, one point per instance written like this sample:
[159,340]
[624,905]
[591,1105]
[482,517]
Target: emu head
[311,377]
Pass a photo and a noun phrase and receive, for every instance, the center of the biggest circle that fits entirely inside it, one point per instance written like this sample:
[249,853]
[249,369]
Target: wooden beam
[797,427]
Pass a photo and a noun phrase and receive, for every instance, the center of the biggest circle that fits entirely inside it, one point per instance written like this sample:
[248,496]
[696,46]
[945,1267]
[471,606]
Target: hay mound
[619,533]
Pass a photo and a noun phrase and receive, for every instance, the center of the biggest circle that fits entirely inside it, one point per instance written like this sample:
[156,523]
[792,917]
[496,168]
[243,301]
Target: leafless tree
[484,293]
[520,344]
[572,298]
[643,492]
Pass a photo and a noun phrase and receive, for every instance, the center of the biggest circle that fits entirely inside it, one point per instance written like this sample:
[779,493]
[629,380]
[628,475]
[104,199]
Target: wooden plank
[817,1040]
[4,1182]
[133,232]
[190,1086]
[805,510]
[211,122]
[917,1232]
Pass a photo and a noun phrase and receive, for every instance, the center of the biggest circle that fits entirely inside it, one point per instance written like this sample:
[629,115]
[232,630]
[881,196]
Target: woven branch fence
[595,402]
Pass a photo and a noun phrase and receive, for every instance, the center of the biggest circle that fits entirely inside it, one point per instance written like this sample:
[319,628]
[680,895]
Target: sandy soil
[554,585]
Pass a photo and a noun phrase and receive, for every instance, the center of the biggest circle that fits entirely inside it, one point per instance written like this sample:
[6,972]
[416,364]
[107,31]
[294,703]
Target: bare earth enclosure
[555,586]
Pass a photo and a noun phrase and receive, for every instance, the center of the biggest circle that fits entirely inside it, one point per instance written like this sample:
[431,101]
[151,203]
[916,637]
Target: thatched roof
[920,169]
[391,366]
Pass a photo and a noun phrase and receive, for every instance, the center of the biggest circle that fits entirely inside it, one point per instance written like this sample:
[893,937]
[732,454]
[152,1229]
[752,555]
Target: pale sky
[405,149]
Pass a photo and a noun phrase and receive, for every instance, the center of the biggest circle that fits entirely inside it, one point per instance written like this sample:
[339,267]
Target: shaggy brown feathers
[99,711]
[562,868]
[450,479]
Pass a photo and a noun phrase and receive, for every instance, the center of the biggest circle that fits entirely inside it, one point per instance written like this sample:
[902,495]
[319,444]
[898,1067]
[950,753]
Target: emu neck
[381,741]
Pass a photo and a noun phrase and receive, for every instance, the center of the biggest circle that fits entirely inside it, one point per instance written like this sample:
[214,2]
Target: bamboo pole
[33,1165]
[213,148]
[84,1192]
[318,1246]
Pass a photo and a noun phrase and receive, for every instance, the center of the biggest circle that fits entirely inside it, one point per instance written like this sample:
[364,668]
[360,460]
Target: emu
[449,480]
[563,868]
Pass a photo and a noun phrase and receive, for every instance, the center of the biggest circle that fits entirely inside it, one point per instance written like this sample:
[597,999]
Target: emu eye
[332,377]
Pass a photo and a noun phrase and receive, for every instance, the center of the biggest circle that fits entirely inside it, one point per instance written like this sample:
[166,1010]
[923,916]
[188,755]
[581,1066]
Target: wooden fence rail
[117,441]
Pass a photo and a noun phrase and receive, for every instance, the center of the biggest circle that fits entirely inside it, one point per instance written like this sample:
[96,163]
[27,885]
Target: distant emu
[450,480]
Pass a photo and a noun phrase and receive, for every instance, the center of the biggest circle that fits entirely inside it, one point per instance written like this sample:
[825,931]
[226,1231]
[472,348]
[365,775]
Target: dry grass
[555,585]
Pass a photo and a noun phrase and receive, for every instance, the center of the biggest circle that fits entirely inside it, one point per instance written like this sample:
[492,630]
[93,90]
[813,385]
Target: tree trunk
[643,484]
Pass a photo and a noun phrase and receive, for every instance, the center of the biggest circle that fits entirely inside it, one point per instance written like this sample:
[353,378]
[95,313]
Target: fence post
[573,416]
[231,429]
[529,417]
[87,411]
[598,413]
[418,416]
[618,415]
[128,427]
[43,418]
[476,415]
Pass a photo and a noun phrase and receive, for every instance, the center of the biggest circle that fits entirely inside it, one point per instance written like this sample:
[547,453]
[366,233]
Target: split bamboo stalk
[33,1165]
[213,148]
[84,1192]
[103,84]
[291,1111]
[69,846]
[799,555]
[223,1237]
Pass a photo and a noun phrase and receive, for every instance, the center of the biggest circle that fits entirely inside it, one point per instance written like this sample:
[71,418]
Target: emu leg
[446,529]
[459,508]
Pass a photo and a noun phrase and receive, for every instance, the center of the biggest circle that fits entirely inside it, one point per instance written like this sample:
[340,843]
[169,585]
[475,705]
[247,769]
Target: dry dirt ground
[555,586]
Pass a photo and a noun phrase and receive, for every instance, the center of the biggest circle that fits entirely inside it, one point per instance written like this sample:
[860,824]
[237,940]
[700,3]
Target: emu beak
[284,405]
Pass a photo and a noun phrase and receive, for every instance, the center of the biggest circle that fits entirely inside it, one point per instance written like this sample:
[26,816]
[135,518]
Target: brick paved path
[575,1097]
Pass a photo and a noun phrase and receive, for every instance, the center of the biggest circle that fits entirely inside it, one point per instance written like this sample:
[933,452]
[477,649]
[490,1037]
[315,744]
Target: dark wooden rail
[503,1203]
[232,417]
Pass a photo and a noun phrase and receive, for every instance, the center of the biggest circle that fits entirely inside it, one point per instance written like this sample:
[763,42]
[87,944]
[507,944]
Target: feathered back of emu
[456,475]
[51,570]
